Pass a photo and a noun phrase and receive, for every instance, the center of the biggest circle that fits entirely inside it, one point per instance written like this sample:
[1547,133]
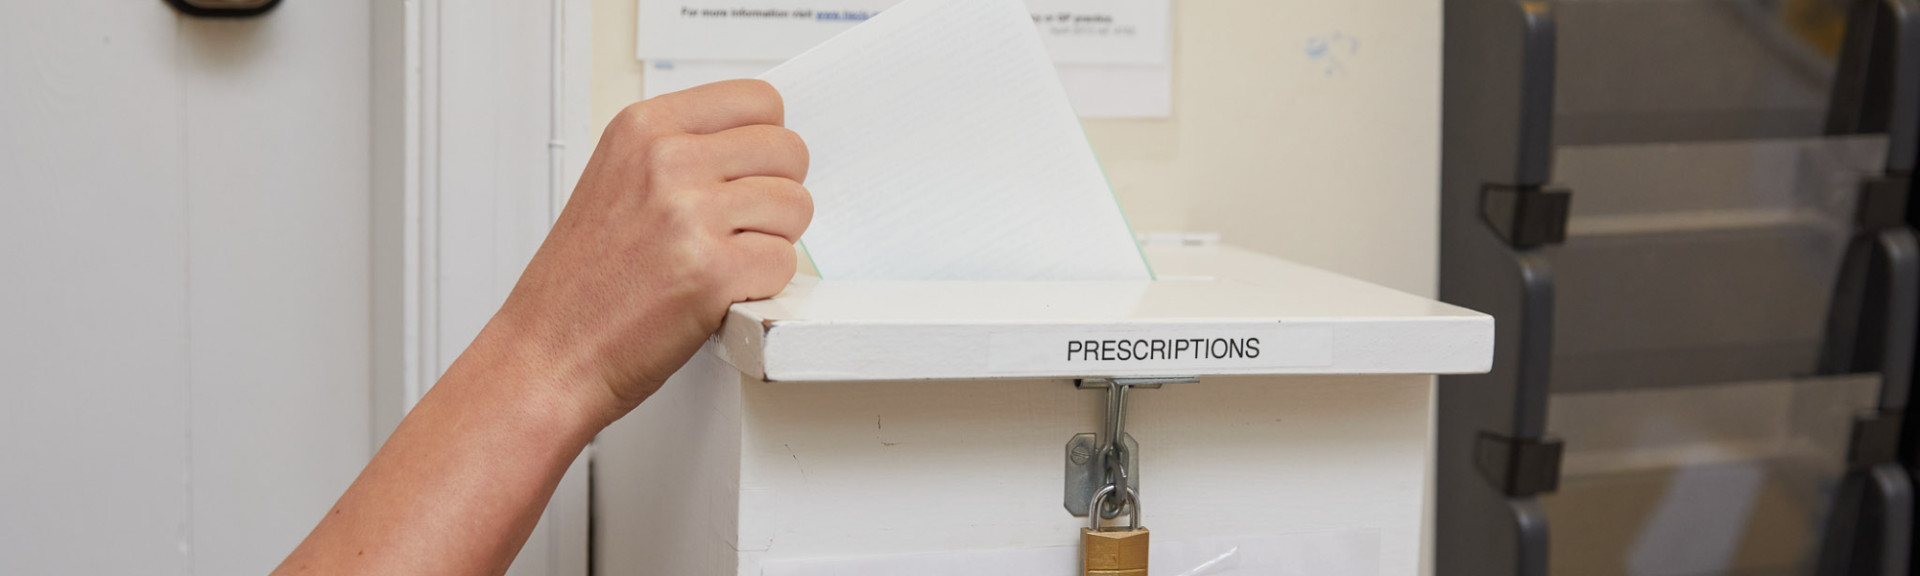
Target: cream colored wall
[1334,165]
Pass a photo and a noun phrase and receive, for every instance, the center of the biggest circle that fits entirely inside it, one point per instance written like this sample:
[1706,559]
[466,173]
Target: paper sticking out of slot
[944,148]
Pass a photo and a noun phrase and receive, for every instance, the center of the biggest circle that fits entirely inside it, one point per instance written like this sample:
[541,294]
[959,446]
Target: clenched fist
[692,202]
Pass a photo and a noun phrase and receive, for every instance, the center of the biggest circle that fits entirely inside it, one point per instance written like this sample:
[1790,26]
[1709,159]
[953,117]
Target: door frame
[480,126]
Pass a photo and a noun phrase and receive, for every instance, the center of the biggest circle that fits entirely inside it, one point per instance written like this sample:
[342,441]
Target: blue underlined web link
[843,15]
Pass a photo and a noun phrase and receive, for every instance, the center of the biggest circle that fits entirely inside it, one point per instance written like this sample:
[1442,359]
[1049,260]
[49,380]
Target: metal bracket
[1526,216]
[1086,474]
[1140,383]
[1093,461]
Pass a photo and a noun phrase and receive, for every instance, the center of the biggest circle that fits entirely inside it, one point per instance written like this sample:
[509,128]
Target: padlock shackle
[1093,518]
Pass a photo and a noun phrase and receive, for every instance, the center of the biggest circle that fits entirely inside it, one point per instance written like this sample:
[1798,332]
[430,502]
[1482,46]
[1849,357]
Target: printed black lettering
[1149,349]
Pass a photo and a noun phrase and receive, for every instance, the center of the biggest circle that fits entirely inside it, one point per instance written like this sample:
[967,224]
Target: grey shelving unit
[1687,217]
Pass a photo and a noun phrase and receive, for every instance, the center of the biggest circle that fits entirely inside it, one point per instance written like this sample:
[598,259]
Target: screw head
[1080,454]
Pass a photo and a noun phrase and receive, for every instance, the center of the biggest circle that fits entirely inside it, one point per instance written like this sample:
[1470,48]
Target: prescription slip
[944,148]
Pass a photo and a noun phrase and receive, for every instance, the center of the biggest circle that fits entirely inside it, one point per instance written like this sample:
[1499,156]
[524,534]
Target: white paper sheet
[1096,90]
[944,148]
[1336,553]
[1075,31]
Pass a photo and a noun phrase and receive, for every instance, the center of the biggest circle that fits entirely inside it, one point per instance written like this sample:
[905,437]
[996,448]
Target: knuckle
[671,154]
[691,274]
[780,270]
[698,260]
[786,261]
[632,120]
[691,253]
[762,94]
[767,272]
[684,213]
[792,142]
[803,205]
[796,148]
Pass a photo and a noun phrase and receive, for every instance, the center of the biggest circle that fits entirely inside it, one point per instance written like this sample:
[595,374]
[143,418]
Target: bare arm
[692,202]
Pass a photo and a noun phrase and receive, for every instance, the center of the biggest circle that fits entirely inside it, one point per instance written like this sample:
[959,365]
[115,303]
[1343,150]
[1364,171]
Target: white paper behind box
[944,148]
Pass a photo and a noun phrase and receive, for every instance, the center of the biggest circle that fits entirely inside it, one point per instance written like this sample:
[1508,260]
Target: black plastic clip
[1519,466]
[1875,439]
[1882,204]
[1526,216]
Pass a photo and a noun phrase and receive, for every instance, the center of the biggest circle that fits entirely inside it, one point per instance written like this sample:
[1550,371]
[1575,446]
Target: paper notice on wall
[944,148]
[1075,31]
[1096,90]
[1113,55]
[1336,553]
[1119,90]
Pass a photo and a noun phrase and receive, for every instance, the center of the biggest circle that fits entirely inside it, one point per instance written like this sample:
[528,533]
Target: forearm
[461,483]
[691,202]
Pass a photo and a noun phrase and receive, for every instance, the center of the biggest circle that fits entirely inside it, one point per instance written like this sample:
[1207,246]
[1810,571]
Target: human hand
[692,202]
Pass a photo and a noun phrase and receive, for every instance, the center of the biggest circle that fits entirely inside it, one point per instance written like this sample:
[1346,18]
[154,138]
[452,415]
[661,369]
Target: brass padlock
[1112,552]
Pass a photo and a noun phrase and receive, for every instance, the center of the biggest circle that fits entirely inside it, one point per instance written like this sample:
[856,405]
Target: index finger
[711,108]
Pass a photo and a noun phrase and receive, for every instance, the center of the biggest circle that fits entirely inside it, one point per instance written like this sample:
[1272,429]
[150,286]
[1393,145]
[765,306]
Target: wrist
[537,380]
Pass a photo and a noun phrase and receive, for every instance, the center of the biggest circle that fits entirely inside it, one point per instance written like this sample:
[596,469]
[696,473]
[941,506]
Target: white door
[211,247]
[184,312]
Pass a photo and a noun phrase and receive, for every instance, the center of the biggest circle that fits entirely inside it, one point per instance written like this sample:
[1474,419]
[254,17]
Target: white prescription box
[895,423]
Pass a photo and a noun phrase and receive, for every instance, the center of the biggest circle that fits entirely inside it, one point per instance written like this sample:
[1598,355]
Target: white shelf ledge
[1214,311]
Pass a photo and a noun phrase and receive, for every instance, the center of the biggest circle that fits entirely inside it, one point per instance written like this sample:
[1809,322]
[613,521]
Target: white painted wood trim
[411,96]
[421,288]
[425,248]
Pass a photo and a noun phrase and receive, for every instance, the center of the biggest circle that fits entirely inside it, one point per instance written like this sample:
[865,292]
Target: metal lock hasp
[1110,458]
[1114,552]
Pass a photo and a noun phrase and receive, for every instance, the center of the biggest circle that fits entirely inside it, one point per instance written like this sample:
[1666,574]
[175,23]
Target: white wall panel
[93,291]
[276,135]
[183,283]
[493,154]
[492,142]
